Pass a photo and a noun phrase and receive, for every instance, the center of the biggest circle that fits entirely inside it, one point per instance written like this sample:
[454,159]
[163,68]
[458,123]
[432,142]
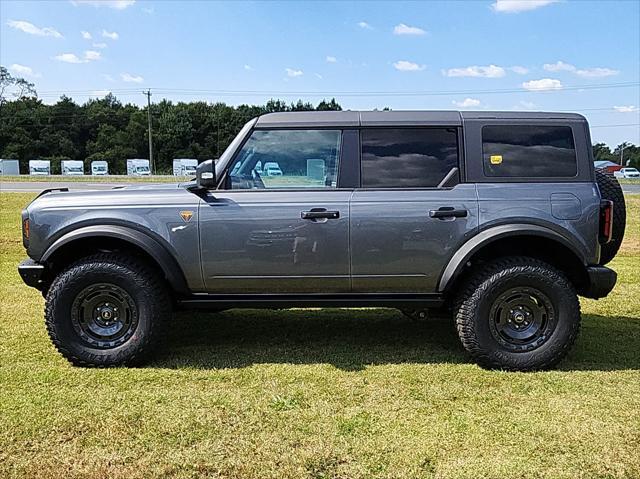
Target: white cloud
[406,66]
[107,77]
[86,35]
[293,73]
[491,71]
[559,66]
[99,45]
[596,72]
[115,4]
[249,68]
[626,109]
[402,29]
[519,70]
[31,29]
[466,103]
[318,76]
[100,93]
[517,6]
[91,55]
[127,77]
[542,84]
[331,59]
[23,70]
[111,35]
[69,58]
[365,25]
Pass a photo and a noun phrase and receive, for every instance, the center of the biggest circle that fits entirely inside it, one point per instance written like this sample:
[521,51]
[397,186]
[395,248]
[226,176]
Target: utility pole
[151,160]
[622,147]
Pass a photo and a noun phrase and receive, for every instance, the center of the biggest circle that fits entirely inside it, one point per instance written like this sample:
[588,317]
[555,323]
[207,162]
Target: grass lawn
[318,394]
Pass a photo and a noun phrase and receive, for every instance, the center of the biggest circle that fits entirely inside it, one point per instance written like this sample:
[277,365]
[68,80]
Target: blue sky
[483,54]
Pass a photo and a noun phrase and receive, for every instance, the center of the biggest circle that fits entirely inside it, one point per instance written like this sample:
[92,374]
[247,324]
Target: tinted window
[287,159]
[528,151]
[407,157]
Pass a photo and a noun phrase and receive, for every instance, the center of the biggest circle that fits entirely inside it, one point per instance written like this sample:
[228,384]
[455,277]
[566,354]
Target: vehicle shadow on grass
[353,339]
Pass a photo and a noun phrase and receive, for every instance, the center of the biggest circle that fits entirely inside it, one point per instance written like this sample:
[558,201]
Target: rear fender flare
[467,250]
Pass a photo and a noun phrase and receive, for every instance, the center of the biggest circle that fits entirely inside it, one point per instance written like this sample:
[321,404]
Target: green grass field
[318,394]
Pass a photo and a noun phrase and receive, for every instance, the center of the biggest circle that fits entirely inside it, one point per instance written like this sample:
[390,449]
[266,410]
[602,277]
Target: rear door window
[407,157]
[528,151]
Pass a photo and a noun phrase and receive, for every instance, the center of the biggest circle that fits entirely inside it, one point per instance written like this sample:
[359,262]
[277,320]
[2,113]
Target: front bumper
[32,273]
[601,281]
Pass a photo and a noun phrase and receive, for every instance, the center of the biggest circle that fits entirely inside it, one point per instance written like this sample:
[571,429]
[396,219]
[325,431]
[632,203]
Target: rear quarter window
[528,151]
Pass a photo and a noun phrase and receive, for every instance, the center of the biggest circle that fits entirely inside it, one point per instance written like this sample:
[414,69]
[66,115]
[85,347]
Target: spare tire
[610,190]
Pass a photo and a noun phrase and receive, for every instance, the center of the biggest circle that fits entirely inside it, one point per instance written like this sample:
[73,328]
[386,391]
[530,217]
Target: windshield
[100,168]
[74,168]
[222,161]
[40,169]
[142,168]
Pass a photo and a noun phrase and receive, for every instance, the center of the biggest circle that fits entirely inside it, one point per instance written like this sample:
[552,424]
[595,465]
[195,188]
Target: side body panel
[154,211]
[396,245]
[568,206]
[255,241]
[570,209]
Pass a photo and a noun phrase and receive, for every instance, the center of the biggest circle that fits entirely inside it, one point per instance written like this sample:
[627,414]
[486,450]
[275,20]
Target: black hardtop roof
[299,119]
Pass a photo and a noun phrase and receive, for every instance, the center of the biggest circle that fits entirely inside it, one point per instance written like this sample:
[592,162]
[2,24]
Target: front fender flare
[150,245]
[482,239]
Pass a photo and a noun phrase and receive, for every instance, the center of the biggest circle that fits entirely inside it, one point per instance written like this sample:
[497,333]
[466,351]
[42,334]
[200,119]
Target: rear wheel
[518,314]
[107,310]
[610,190]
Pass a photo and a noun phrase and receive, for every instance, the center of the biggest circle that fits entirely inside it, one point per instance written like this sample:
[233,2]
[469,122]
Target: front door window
[277,159]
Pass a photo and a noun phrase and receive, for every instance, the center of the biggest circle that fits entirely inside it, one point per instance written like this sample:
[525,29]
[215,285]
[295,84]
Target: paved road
[635,188]
[37,186]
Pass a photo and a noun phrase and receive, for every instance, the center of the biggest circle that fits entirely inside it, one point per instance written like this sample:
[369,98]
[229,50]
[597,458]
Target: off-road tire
[483,291]
[610,190]
[149,298]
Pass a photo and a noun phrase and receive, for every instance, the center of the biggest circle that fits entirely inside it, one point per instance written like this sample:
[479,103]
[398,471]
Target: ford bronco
[495,217]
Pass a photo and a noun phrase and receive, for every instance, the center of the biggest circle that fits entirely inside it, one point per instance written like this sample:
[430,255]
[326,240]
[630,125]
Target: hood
[119,196]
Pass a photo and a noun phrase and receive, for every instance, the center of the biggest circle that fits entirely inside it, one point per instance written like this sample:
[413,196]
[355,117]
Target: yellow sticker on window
[495,159]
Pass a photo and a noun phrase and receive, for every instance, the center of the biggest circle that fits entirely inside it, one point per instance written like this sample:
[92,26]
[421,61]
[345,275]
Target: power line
[610,126]
[389,93]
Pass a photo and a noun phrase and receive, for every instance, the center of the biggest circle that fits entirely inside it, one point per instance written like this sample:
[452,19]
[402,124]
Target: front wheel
[518,314]
[107,310]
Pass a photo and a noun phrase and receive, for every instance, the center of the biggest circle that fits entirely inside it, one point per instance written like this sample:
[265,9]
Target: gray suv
[496,218]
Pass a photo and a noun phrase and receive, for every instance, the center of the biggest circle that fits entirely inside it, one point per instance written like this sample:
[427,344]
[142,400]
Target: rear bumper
[32,273]
[601,281]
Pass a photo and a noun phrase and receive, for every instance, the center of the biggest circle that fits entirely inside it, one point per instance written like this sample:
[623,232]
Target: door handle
[319,213]
[448,212]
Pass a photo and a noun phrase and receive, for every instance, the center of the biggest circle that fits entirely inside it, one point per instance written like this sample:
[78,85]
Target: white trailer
[39,167]
[184,167]
[9,167]
[72,167]
[138,167]
[99,168]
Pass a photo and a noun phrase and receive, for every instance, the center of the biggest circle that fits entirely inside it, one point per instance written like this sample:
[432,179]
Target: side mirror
[206,175]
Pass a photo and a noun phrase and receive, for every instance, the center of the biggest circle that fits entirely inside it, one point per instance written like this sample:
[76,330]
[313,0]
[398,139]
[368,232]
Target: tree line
[106,129]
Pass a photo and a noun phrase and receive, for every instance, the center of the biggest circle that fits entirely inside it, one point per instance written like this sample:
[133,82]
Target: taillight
[25,229]
[606,221]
